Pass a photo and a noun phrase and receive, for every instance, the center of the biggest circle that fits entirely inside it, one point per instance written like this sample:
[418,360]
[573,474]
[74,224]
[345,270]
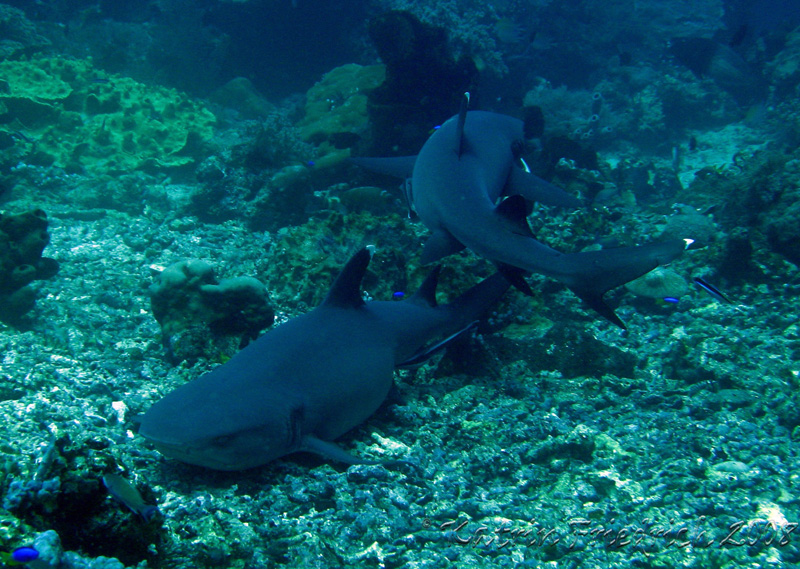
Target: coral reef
[23,238]
[424,82]
[261,171]
[541,423]
[469,25]
[336,111]
[20,35]
[69,114]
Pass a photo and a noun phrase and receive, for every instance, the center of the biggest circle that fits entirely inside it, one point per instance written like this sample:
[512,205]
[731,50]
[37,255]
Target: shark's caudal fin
[593,273]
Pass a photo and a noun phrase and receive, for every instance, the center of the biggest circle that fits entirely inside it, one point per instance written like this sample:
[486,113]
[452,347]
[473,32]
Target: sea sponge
[659,283]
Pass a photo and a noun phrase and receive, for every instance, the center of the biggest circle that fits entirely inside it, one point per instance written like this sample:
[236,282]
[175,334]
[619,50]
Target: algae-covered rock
[336,110]
[23,238]
[19,34]
[77,118]
[187,300]
[240,94]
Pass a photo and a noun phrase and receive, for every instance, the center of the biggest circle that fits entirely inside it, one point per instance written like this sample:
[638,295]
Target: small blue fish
[20,556]
[671,299]
[398,295]
[712,290]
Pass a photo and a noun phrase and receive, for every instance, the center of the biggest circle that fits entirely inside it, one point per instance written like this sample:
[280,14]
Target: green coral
[337,106]
[73,117]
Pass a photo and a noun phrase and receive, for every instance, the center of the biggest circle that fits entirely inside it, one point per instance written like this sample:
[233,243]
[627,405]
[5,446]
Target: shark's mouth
[195,456]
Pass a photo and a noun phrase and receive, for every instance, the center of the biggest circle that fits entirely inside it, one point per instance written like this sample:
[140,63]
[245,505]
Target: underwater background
[138,135]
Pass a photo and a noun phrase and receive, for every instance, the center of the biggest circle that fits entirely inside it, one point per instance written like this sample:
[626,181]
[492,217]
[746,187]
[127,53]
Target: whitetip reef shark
[312,379]
[471,188]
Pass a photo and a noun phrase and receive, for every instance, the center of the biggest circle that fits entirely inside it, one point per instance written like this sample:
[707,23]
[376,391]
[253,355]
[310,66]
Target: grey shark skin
[464,169]
[311,379]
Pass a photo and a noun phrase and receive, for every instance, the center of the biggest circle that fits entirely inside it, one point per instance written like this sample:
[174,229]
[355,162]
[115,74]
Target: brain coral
[77,118]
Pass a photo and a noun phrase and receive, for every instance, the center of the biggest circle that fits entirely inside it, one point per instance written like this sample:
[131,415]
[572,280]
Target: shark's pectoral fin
[534,189]
[330,451]
[427,352]
[397,166]
[440,244]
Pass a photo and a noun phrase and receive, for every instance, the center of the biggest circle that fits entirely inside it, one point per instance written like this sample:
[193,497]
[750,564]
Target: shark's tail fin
[593,273]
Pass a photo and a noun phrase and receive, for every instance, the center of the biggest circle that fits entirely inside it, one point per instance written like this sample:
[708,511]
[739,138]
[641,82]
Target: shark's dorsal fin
[462,118]
[515,210]
[426,293]
[346,289]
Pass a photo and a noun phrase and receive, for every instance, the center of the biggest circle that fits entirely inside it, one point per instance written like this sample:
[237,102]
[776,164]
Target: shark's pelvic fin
[398,166]
[462,118]
[346,289]
[534,189]
[440,244]
[514,210]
